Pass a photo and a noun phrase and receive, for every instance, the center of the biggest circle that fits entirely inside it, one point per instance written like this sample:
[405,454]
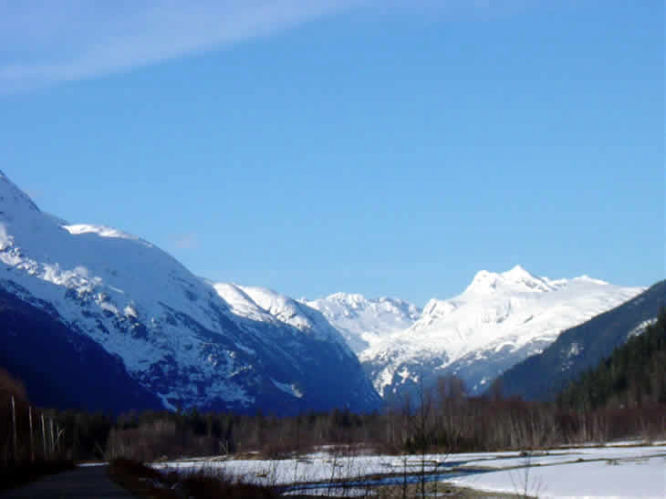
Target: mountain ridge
[363,321]
[582,347]
[194,342]
[175,334]
[498,320]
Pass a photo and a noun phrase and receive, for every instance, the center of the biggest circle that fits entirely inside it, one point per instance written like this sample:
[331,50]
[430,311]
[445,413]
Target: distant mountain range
[364,322]
[104,301]
[499,320]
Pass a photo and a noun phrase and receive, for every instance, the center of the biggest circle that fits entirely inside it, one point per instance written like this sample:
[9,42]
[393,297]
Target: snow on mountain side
[583,347]
[190,342]
[173,331]
[500,319]
[268,306]
[364,321]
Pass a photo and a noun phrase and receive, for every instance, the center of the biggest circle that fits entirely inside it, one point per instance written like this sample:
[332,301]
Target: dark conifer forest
[633,376]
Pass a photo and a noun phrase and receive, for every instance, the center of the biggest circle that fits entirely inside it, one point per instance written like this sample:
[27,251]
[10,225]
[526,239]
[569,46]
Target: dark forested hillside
[543,376]
[634,375]
[60,367]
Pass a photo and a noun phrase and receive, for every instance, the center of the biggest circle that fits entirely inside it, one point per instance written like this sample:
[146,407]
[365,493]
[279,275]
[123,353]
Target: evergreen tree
[634,375]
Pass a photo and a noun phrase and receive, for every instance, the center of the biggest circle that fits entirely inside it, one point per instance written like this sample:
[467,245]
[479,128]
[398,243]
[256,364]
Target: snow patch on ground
[634,476]
[626,470]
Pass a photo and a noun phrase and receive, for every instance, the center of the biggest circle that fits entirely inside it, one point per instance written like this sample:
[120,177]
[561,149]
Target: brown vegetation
[11,386]
[445,420]
[144,481]
[27,434]
[29,444]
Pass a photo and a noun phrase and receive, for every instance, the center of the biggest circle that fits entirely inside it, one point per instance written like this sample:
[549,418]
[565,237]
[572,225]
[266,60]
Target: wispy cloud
[43,42]
[49,41]
[185,241]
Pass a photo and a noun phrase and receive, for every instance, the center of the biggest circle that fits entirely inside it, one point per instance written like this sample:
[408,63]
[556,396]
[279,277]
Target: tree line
[445,422]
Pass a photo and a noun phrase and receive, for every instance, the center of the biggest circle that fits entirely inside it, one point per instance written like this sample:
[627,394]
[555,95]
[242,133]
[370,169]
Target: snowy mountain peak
[587,278]
[363,321]
[13,200]
[517,274]
[514,280]
[500,319]
[355,300]
[270,306]
[176,334]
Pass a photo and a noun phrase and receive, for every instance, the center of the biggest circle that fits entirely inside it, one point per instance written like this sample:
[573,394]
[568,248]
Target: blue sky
[386,148]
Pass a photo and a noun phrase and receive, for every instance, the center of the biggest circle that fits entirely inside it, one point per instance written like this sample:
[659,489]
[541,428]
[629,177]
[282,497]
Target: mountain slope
[582,347]
[363,321]
[176,336]
[268,306]
[499,320]
[633,375]
[55,362]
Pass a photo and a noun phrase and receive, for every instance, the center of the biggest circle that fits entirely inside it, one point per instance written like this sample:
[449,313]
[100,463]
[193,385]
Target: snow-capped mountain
[499,320]
[363,321]
[583,347]
[177,334]
[191,342]
[265,305]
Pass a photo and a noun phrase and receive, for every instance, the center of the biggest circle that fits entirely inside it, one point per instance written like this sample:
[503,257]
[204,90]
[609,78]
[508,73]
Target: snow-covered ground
[619,470]
[632,476]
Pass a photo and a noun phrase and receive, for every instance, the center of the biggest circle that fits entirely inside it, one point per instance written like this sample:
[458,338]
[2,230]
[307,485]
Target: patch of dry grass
[144,481]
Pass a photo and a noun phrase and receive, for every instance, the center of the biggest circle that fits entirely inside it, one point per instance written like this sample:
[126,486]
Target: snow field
[612,471]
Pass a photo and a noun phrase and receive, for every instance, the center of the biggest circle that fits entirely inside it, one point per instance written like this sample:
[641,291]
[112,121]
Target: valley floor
[624,469]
